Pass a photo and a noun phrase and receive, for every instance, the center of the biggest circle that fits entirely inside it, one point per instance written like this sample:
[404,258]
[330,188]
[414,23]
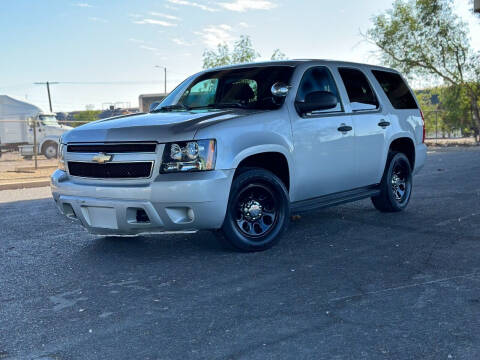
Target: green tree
[455,104]
[85,116]
[219,57]
[242,52]
[430,110]
[278,55]
[425,38]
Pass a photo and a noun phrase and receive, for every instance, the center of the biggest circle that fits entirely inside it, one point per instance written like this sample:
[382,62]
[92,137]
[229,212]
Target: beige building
[145,100]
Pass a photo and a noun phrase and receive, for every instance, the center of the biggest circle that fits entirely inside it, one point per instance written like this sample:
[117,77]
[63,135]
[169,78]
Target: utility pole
[48,91]
[165,77]
[35,145]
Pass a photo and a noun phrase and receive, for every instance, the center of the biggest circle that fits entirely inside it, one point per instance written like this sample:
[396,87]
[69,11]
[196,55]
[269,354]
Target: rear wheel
[258,211]
[396,185]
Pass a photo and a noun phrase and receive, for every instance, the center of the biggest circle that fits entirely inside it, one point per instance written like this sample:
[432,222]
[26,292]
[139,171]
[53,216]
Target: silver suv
[240,148]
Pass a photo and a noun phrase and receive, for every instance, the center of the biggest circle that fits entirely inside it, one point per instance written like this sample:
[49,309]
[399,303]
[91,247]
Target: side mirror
[153,106]
[31,122]
[317,100]
[280,89]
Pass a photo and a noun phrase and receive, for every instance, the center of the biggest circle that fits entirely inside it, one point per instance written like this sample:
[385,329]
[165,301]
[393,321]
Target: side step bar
[335,199]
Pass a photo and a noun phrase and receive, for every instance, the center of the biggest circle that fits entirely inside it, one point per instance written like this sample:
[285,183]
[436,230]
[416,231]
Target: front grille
[130,170]
[113,148]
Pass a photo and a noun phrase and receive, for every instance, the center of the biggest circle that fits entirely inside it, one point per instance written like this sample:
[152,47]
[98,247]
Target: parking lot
[345,283]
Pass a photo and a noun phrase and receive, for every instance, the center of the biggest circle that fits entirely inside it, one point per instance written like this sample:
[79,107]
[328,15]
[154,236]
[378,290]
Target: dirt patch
[451,142]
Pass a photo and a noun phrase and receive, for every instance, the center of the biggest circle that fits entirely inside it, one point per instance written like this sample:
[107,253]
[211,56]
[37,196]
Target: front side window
[396,90]
[202,93]
[246,88]
[318,79]
[48,120]
[359,91]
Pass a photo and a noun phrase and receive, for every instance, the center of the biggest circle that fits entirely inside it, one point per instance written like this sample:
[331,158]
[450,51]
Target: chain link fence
[437,128]
[29,149]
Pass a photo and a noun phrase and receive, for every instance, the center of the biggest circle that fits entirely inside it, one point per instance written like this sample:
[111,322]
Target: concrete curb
[25,184]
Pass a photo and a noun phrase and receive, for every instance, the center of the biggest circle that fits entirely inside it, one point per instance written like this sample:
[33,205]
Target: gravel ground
[345,283]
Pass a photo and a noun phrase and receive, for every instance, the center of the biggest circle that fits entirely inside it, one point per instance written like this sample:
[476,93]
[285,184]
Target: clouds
[212,35]
[193,4]
[83,5]
[97,19]
[209,35]
[181,42]
[245,5]
[155,22]
[165,16]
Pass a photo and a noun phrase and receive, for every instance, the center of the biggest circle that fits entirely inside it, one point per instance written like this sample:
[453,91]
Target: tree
[426,38]
[278,55]
[220,57]
[243,52]
[455,104]
[85,116]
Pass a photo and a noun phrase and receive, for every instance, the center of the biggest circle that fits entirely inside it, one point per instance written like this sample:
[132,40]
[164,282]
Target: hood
[160,127]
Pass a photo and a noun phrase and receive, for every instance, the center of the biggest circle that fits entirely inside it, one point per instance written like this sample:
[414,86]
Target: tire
[50,150]
[258,211]
[396,185]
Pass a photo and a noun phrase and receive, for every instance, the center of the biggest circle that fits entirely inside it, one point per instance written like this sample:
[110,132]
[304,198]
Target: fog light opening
[142,216]
[68,211]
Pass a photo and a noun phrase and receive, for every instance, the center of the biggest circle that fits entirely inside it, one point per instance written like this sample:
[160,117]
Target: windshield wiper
[178,106]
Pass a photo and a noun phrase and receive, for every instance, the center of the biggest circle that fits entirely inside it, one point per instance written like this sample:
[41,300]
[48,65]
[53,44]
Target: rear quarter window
[396,90]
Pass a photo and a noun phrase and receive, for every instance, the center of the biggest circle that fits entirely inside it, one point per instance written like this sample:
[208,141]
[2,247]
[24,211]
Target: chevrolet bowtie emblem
[102,158]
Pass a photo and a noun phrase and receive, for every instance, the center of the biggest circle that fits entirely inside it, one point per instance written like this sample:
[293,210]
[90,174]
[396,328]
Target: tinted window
[248,87]
[359,92]
[318,79]
[202,93]
[396,90]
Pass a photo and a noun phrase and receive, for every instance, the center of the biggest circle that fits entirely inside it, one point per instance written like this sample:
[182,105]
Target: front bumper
[173,202]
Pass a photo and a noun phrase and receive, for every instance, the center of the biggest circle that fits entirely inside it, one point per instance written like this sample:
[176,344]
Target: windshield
[248,88]
[49,120]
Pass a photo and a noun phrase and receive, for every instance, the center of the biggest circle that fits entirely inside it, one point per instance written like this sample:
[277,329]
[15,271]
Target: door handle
[344,128]
[383,124]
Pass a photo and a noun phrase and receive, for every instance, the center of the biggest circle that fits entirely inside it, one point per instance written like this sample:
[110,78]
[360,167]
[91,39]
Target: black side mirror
[316,100]
[153,106]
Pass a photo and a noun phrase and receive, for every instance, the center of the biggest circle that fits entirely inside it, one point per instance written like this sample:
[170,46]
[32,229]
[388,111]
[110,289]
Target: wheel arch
[405,145]
[272,158]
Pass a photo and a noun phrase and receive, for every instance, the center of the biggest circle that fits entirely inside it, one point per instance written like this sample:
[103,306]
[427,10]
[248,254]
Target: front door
[324,156]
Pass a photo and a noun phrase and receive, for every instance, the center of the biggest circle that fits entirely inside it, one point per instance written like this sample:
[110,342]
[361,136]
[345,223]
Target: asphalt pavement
[344,283]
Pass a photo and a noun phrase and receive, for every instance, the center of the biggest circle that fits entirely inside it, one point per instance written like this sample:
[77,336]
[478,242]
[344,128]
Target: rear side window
[359,91]
[396,90]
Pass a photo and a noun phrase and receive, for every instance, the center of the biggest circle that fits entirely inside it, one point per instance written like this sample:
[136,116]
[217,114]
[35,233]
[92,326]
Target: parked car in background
[239,148]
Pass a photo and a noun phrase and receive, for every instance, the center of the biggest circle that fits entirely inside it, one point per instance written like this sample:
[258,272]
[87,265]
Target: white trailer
[17,121]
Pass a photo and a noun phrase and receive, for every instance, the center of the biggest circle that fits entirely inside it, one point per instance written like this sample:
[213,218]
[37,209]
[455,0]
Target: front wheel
[396,185]
[50,150]
[258,211]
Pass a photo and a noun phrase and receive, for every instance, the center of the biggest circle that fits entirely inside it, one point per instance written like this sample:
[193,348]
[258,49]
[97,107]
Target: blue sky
[115,44]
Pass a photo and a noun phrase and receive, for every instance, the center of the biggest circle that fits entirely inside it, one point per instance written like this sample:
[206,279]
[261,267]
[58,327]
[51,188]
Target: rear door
[370,122]
[324,156]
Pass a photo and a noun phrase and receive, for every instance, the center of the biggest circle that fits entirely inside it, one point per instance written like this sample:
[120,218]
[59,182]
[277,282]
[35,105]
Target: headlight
[61,157]
[189,156]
